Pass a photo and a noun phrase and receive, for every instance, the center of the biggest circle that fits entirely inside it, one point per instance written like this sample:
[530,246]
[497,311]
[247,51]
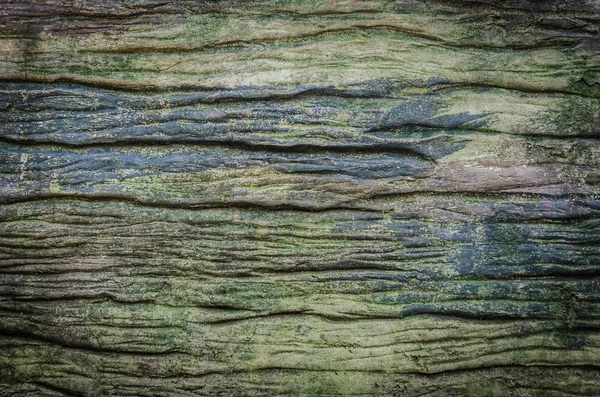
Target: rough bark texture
[299,197]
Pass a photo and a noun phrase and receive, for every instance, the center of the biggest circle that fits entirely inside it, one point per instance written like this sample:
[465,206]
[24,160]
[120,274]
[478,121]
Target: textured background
[302,197]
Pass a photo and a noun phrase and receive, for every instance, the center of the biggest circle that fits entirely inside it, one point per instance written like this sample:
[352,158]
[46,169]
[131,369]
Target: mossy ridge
[79,62]
[329,63]
[410,261]
[310,343]
[510,27]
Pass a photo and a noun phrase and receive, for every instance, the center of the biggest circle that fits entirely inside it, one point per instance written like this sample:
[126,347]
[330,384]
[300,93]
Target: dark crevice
[382,149]
[352,204]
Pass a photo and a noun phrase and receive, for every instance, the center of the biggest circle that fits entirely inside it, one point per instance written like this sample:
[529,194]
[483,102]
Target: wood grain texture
[257,198]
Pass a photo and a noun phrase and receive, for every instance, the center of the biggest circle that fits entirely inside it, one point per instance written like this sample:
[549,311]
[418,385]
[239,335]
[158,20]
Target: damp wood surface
[306,198]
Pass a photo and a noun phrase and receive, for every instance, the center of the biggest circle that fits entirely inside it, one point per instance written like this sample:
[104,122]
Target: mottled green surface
[299,198]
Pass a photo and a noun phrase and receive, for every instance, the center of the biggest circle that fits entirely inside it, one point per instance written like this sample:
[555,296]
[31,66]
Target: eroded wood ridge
[299,198]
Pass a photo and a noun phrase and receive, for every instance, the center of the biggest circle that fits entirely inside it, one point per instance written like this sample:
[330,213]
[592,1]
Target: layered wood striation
[299,198]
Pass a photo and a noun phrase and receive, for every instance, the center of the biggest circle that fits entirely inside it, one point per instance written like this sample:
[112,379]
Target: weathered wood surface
[299,197]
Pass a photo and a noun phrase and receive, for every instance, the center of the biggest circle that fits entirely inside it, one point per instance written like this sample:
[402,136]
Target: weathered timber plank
[299,198]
